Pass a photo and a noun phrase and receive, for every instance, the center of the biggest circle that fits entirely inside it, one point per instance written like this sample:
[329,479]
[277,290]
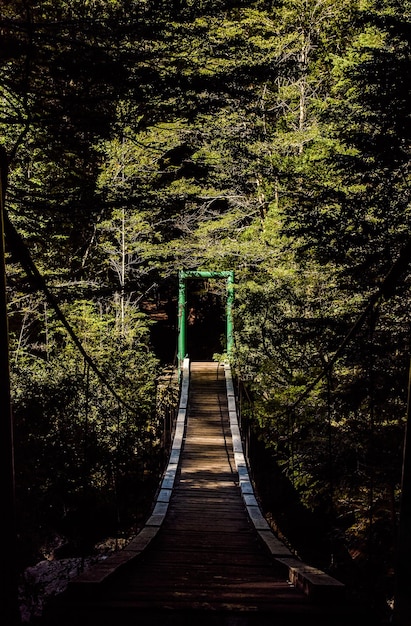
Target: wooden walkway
[206,562]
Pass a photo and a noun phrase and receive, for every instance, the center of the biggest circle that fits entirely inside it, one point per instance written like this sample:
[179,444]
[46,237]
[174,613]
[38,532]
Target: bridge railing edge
[100,572]
[313,581]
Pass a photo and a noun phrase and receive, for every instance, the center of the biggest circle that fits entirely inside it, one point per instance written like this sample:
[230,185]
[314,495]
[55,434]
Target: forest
[266,137]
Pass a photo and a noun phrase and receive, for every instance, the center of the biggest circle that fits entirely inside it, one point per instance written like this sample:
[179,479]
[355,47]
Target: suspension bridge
[206,553]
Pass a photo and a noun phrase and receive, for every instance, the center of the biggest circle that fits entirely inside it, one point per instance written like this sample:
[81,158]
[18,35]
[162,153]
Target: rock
[46,579]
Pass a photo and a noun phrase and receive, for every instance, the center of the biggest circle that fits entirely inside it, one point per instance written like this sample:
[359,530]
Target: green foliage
[72,436]
[267,138]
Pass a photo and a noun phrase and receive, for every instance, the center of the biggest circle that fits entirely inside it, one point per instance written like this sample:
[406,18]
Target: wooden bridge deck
[206,563]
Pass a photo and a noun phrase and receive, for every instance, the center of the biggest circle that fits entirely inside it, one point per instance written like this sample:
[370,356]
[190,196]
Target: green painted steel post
[230,324]
[182,297]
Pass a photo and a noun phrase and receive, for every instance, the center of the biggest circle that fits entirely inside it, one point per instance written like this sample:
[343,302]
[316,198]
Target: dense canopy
[271,138]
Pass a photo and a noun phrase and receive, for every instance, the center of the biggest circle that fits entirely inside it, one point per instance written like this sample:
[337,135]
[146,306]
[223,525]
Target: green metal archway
[182,305]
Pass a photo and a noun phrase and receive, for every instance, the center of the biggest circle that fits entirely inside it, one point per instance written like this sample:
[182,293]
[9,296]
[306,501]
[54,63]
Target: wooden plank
[250,500]
[201,549]
[141,541]
[257,518]
[174,456]
[246,486]
[164,495]
[313,581]
[276,547]
[232,404]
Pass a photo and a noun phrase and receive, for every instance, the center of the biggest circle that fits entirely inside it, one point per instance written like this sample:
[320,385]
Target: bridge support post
[182,302]
[9,608]
[229,313]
